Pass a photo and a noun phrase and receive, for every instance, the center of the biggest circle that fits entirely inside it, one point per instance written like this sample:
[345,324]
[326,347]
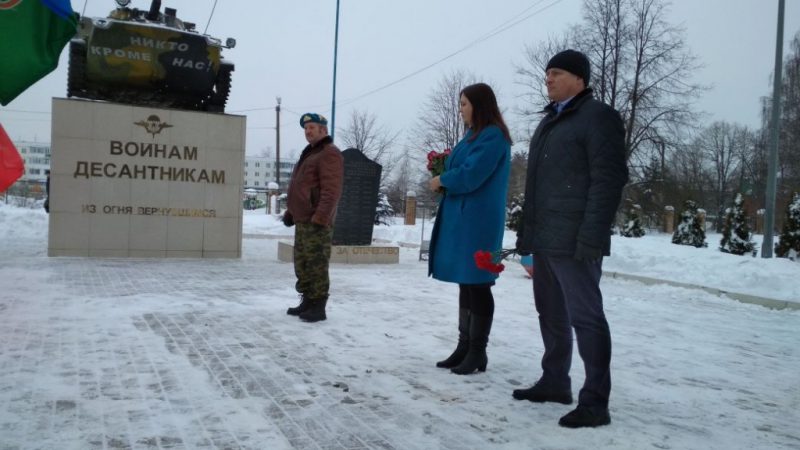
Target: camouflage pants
[312,252]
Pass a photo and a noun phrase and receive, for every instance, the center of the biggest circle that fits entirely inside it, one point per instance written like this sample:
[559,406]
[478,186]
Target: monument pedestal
[349,254]
[131,181]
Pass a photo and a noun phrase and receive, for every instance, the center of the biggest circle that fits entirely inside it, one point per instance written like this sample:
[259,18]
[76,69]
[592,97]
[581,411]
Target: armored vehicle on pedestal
[148,58]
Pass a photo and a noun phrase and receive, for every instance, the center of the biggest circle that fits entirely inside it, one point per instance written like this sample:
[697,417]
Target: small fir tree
[788,245]
[384,213]
[633,221]
[514,212]
[690,231]
[735,231]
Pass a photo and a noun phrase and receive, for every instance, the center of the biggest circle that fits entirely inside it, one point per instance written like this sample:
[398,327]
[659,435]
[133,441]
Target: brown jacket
[316,184]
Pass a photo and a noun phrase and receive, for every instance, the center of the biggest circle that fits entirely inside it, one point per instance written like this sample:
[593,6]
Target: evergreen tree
[735,231]
[633,221]
[384,212]
[691,230]
[788,245]
[514,212]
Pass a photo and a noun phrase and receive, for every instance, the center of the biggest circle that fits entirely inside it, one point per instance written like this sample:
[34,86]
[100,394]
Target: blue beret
[312,118]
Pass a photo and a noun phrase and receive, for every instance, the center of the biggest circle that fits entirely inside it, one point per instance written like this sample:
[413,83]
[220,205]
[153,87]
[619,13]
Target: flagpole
[335,54]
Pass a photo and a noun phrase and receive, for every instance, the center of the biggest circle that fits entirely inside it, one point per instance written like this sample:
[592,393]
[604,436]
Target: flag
[32,35]
[11,165]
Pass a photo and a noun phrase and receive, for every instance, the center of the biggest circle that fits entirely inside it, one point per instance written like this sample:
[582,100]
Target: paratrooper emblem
[153,125]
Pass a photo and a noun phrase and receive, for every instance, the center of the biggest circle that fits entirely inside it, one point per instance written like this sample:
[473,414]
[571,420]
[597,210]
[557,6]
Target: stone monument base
[349,254]
[144,182]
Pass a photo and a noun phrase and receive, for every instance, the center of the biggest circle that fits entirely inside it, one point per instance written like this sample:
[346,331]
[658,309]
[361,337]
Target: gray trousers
[567,295]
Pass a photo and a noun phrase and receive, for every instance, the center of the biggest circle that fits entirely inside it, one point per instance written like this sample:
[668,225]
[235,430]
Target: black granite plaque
[356,214]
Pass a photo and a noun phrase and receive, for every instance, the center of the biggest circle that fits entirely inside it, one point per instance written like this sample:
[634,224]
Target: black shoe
[584,416]
[302,307]
[539,394]
[315,312]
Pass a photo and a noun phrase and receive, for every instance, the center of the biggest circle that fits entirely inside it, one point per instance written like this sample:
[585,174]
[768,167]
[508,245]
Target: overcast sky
[285,48]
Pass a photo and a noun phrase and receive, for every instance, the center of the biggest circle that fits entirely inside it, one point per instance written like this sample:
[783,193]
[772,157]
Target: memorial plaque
[355,216]
[142,182]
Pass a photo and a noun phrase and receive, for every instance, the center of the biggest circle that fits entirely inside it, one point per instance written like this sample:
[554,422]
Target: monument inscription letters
[132,181]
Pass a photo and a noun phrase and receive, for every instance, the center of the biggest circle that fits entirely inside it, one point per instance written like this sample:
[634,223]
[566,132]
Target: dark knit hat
[573,62]
[312,118]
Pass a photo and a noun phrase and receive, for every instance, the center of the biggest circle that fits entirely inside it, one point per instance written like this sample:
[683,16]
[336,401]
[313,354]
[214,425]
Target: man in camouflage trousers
[312,198]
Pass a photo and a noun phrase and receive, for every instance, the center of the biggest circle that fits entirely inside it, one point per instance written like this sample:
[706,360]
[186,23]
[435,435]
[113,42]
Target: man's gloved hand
[288,220]
[315,222]
[585,252]
[518,246]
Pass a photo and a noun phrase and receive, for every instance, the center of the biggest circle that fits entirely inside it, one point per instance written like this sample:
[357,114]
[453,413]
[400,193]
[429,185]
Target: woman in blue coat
[471,217]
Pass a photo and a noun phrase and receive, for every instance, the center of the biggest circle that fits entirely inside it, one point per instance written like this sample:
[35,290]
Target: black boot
[296,310]
[316,311]
[463,342]
[540,393]
[584,416]
[479,328]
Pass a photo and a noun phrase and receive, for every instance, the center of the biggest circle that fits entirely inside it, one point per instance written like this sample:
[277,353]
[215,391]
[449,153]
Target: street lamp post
[772,181]
[335,54]
[278,142]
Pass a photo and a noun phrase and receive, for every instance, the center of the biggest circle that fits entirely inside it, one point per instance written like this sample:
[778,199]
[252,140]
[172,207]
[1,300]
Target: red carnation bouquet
[436,161]
[492,261]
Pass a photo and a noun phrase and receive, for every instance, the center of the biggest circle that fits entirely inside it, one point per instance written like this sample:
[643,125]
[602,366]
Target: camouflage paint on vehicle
[145,55]
[148,58]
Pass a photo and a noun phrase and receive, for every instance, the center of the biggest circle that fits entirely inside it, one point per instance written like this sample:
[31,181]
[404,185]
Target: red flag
[11,165]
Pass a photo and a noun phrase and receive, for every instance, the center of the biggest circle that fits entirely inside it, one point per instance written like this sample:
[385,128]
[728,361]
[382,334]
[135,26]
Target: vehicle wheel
[222,88]
[76,77]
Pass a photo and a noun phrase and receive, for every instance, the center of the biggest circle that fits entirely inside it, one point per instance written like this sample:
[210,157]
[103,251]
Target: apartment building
[260,171]
[37,160]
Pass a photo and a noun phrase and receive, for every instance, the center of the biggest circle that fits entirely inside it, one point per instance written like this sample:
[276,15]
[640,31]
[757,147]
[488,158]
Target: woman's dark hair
[485,111]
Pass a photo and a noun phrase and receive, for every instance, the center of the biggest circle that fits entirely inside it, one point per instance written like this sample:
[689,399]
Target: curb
[744,298]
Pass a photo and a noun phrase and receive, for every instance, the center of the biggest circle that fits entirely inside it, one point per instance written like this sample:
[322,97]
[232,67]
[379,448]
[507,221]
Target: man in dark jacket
[576,172]
[314,191]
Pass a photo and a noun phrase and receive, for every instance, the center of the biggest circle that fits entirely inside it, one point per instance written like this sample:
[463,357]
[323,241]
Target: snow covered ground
[138,353]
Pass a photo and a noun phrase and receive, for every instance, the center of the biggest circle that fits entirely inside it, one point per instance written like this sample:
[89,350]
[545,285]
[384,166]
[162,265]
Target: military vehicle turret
[148,58]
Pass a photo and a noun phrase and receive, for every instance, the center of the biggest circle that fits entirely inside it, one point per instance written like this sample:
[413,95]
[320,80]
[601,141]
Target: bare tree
[721,145]
[747,154]
[400,181]
[530,75]
[691,177]
[789,126]
[519,167]
[604,37]
[266,152]
[374,141]
[657,93]
[439,125]
[790,142]
[641,65]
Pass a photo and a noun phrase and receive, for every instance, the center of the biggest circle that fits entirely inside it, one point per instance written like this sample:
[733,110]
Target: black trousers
[567,295]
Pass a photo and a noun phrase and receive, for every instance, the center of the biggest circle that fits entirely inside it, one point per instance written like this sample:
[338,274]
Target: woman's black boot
[479,328]
[463,342]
